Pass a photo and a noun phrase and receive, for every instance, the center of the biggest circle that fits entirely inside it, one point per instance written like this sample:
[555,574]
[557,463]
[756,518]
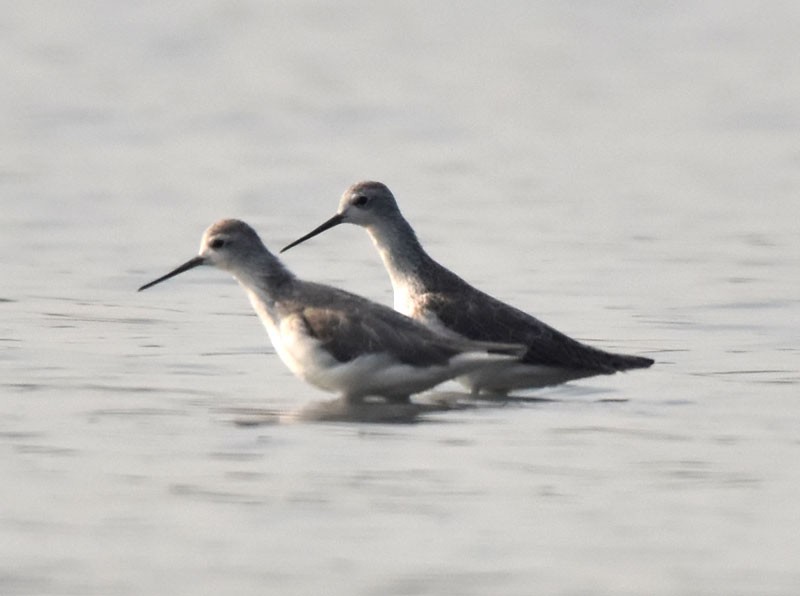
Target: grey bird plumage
[333,339]
[431,293]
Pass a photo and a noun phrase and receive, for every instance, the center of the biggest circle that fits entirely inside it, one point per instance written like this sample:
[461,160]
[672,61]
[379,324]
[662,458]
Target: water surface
[627,173]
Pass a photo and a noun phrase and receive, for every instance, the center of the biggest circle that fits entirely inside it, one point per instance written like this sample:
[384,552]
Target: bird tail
[626,362]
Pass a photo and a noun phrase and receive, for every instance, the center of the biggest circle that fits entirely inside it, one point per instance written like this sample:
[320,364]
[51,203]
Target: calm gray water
[628,172]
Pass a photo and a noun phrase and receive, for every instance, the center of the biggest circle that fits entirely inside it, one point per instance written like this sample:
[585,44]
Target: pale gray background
[627,171]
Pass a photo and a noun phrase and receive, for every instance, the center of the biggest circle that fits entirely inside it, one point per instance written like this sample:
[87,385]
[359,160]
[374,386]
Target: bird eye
[360,201]
[217,243]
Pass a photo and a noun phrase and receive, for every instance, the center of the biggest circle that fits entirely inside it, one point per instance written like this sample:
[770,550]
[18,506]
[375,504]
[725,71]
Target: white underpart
[515,375]
[378,374]
[496,379]
[403,295]
[406,302]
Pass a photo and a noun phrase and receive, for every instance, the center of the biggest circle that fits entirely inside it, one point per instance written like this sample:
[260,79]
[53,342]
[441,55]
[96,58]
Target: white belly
[516,375]
[378,374]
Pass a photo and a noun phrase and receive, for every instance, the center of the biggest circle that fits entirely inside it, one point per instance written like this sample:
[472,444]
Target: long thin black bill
[190,264]
[333,221]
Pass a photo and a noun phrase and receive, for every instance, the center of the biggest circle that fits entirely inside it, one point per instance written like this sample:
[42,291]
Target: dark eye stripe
[361,201]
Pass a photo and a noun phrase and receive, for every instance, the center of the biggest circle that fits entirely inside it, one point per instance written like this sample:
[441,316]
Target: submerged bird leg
[399,399]
[354,400]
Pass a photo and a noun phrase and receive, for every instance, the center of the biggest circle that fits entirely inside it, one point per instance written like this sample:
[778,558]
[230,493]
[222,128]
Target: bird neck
[401,252]
[264,277]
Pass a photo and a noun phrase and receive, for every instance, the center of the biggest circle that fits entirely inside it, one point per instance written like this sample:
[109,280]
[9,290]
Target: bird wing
[478,316]
[348,334]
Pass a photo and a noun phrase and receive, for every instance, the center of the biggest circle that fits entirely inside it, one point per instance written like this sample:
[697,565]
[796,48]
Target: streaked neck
[264,277]
[401,252]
